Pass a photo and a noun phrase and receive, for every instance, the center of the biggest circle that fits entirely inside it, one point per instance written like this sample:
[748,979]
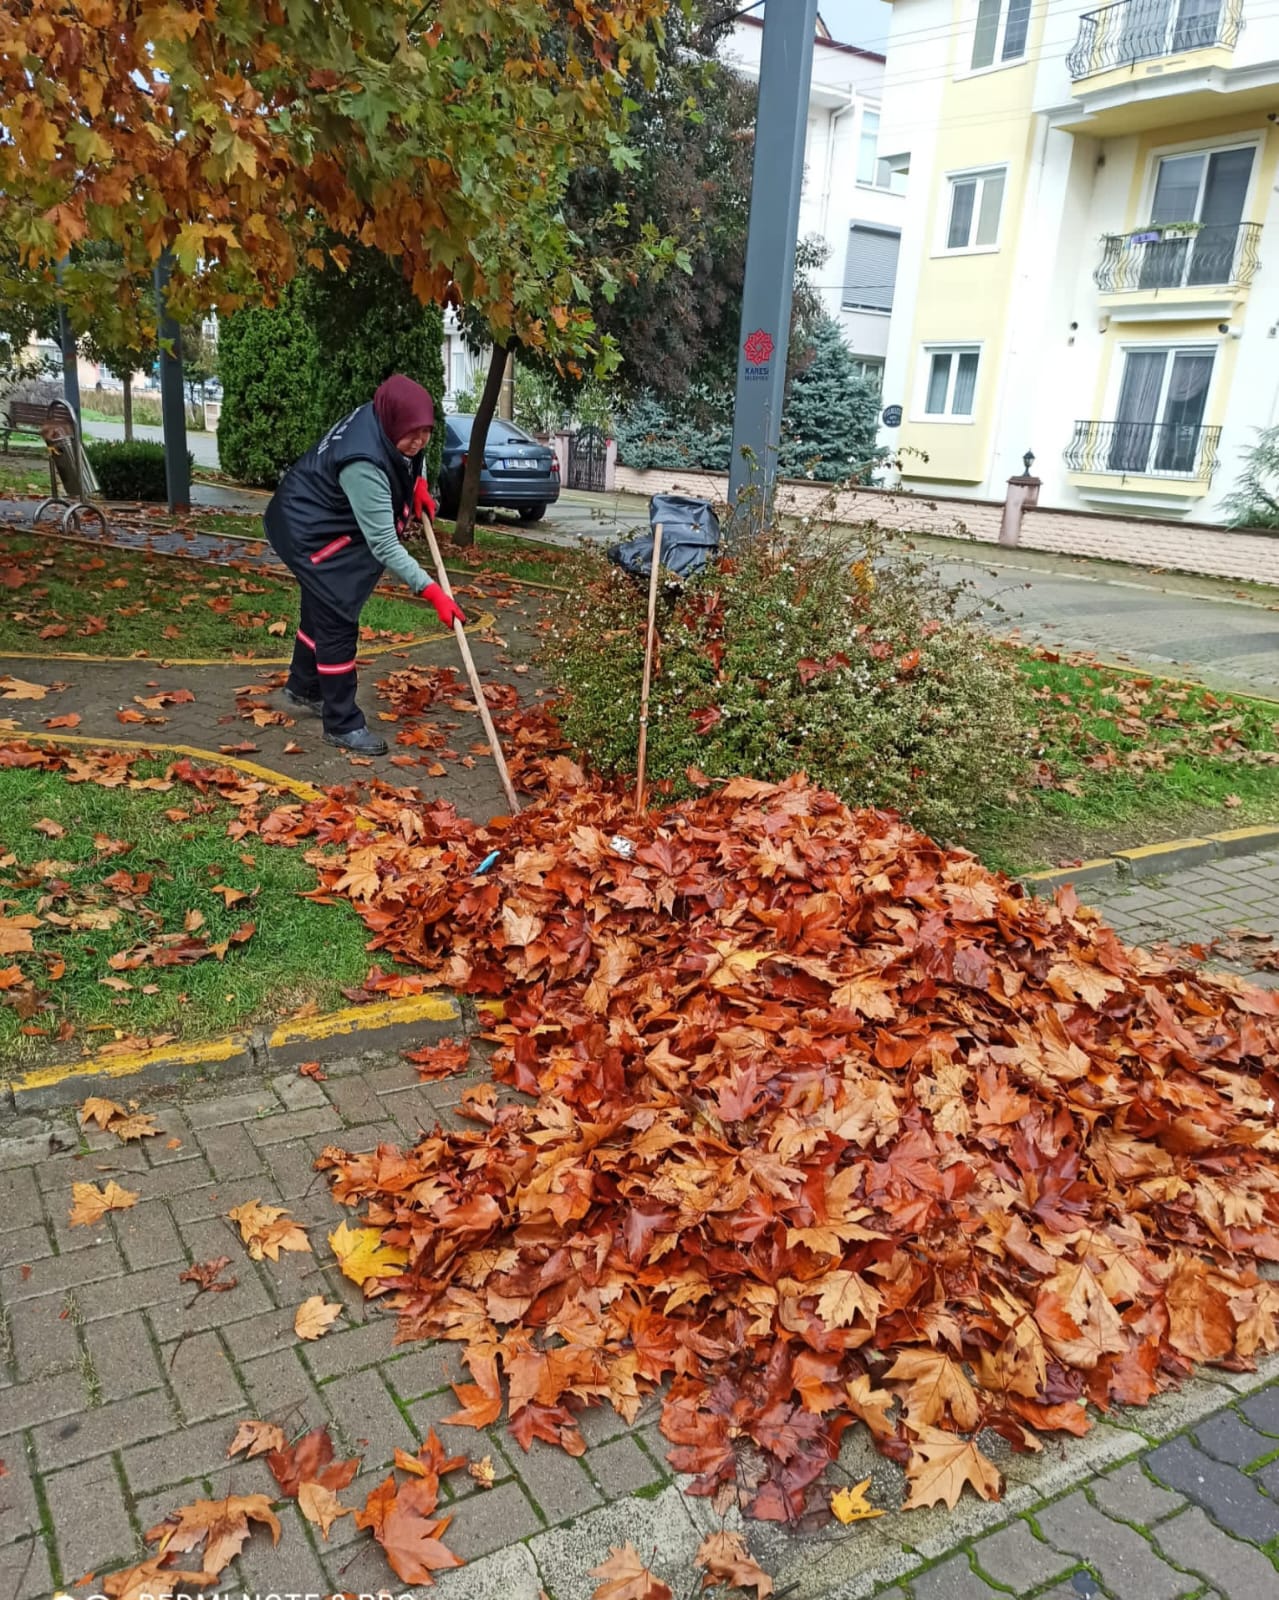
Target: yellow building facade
[1088,268]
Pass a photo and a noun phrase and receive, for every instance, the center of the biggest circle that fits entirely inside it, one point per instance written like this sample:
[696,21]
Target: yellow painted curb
[1246,835]
[1152,852]
[126,1063]
[485,620]
[279,780]
[1097,863]
[334,1024]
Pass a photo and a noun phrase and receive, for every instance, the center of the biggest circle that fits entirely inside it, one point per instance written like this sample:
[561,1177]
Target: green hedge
[130,470]
[289,372]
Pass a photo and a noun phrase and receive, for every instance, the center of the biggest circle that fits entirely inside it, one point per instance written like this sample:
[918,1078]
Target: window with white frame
[976,204]
[950,374]
[873,172]
[1000,35]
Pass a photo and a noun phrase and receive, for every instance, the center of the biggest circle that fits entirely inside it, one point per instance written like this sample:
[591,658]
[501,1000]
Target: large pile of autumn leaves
[819,1124]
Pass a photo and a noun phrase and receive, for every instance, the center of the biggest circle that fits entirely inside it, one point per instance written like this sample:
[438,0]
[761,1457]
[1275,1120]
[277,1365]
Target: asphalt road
[203,446]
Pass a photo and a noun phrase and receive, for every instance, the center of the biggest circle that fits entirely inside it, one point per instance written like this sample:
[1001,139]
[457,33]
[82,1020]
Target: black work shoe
[302,702]
[363,741]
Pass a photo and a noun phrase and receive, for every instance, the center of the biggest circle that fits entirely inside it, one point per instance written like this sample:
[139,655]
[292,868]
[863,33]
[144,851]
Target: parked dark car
[519,474]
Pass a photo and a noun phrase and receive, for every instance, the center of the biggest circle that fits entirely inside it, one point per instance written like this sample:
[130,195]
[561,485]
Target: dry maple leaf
[315,1317]
[230,895]
[311,1460]
[266,1230]
[313,1070]
[362,1255]
[627,1578]
[91,1204]
[726,1561]
[20,689]
[206,1275]
[321,1506]
[439,1060]
[141,1125]
[102,1112]
[483,1471]
[256,1438]
[221,1526]
[851,1505]
[400,1518]
[152,1580]
[942,1463]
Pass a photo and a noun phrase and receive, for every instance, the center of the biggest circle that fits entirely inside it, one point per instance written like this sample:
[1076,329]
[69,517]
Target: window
[952,381]
[872,171]
[1002,26]
[1160,411]
[976,202]
[870,370]
[870,269]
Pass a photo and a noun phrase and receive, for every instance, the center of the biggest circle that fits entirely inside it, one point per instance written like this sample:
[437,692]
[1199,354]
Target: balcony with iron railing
[1147,30]
[1196,270]
[1144,450]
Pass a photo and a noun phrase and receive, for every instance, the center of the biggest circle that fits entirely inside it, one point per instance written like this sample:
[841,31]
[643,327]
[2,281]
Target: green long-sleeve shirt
[369,492]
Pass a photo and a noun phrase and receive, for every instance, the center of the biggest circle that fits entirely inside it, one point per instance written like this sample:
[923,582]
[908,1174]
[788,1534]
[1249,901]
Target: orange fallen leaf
[91,1203]
[315,1317]
[69,719]
[313,1070]
[266,1230]
[627,1578]
[256,1438]
[321,1506]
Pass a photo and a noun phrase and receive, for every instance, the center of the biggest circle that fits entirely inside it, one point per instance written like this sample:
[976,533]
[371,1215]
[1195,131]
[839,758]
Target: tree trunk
[128,406]
[470,496]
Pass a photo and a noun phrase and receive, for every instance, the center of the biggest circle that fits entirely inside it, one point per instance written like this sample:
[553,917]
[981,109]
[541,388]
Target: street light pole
[785,75]
[173,411]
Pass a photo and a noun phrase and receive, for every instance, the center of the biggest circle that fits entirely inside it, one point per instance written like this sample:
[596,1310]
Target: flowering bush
[832,651]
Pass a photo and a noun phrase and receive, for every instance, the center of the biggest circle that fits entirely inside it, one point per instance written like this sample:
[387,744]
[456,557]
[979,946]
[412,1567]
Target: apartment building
[851,199]
[1090,257]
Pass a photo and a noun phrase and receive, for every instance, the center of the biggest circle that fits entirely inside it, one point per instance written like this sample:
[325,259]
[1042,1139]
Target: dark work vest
[311,525]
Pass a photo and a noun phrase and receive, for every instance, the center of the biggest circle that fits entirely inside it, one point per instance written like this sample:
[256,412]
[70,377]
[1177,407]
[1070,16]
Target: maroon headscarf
[402,406]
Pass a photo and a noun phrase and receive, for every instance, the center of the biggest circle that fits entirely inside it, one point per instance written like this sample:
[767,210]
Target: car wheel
[532,513]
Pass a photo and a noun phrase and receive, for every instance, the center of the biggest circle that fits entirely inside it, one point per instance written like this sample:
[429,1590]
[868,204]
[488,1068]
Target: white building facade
[1089,268]
[851,198]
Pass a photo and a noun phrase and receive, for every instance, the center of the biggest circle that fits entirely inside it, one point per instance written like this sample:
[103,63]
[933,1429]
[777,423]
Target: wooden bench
[23,416]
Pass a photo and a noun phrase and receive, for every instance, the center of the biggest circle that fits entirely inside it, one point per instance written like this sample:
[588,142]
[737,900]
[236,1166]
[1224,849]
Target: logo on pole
[758,348]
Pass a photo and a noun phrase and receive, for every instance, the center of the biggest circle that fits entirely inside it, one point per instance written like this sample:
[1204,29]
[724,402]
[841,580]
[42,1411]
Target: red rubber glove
[422,501]
[446,607]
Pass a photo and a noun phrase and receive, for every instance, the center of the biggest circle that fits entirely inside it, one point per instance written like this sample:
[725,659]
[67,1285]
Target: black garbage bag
[690,537]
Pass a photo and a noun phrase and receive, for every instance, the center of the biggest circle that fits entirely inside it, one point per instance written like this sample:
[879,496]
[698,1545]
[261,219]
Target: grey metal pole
[173,411]
[785,75]
[70,356]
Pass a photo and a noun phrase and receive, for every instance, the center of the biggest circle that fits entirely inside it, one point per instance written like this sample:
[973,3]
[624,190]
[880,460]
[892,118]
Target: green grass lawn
[64,596]
[24,477]
[1120,759]
[85,918]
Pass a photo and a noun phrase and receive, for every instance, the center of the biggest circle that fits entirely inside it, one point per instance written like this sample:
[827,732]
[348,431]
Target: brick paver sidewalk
[120,1389]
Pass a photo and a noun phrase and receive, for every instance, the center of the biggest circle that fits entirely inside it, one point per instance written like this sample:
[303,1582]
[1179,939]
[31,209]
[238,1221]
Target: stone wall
[1140,541]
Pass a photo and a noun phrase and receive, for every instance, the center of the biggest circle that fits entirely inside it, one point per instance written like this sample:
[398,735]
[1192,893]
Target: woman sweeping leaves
[335,522]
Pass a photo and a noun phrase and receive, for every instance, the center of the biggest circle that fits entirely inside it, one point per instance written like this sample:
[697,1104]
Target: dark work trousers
[324,664]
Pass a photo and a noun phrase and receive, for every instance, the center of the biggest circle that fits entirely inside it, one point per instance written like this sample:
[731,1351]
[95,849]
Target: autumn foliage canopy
[238,133]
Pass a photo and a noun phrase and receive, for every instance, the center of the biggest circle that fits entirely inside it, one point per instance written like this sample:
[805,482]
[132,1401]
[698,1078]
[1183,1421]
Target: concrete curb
[387,1026]
[1154,860]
